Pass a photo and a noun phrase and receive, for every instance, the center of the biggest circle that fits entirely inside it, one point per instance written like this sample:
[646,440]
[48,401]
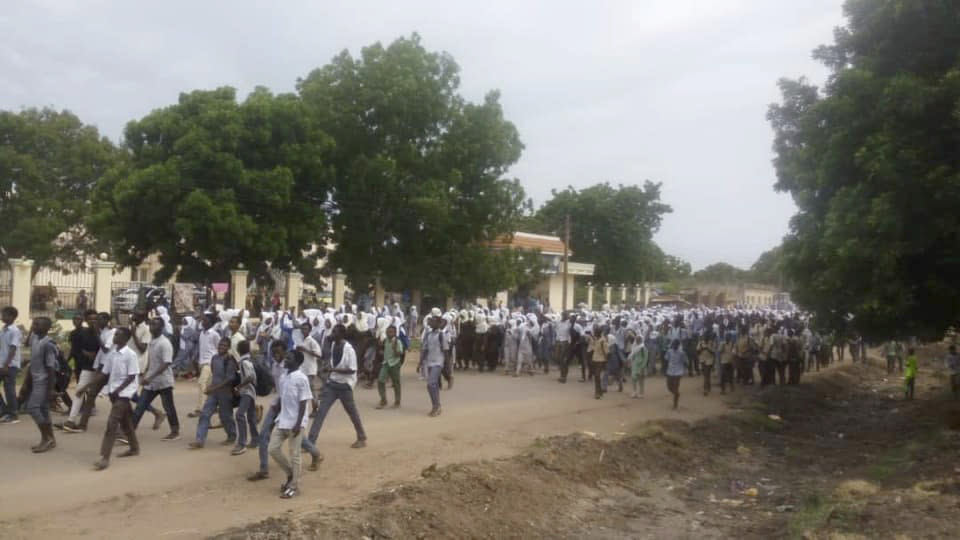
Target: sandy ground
[170,492]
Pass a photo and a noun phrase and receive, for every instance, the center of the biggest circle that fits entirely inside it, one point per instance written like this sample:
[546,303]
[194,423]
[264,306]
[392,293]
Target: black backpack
[63,371]
[265,383]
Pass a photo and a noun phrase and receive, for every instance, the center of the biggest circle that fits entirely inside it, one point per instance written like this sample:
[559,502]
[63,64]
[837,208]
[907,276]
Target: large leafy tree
[420,183]
[50,162]
[722,272]
[210,184]
[873,163]
[612,227]
[769,268]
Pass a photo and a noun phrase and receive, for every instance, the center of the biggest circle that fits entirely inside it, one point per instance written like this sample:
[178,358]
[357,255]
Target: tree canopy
[209,184]
[50,162]
[612,227]
[872,161]
[419,181]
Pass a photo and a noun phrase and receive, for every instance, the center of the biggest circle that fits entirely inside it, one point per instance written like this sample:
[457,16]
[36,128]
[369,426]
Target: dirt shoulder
[842,456]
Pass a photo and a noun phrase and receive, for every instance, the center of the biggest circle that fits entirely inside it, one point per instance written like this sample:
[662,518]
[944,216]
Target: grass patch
[818,512]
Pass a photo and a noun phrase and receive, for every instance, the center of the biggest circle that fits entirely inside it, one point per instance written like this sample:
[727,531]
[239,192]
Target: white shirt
[106,340]
[309,365]
[119,365]
[293,389]
[10,339]
[208,346]
[347,361]
[142,331]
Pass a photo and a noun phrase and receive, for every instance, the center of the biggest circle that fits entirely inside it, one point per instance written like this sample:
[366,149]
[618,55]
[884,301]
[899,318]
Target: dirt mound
[840,456]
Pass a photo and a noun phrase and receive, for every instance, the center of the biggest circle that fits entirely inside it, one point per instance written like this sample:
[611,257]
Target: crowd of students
[308,361]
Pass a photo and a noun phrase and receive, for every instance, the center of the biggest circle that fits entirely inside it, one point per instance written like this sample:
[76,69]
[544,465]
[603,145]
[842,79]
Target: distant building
[550,290]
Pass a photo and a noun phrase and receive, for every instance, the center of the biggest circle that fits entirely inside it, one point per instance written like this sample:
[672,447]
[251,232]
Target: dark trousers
[166,399]
[447,371]
[562,353]
[707,372]
[597,368]
[794,370]
[909,387]
[87,409]
[781,368]
[726,377]
[767,372]
[121,417]
[333,391]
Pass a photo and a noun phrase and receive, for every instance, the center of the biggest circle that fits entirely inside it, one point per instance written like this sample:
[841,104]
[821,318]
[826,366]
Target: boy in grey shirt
[42,378]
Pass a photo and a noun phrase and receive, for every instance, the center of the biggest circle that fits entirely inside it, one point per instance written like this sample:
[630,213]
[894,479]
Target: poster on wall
[183,298]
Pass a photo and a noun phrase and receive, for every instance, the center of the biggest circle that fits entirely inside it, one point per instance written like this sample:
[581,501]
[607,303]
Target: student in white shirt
[291,418]
[209,338]
[121,369]
[312,353]
[11,339]
[343,377]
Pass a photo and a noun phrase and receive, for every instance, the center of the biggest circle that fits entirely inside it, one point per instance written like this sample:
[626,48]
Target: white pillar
[623,294]
[639,294]
[607,289]
[339,286]
[102,280]
[379,293]
[294,286]
[590,296]
[238,288]
[21,271]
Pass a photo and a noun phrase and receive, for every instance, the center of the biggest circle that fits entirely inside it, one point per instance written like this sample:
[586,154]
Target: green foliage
[211,183]
[769,268]
[872,164]
[49,164]
[722,272]
[419,183]
[612,228]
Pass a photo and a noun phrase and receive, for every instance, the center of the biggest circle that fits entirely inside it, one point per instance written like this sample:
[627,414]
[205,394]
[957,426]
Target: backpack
[63,371]
[264,384]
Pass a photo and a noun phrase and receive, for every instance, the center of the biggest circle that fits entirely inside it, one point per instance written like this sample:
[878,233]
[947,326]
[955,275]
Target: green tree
[872,162]
[211,183]
[611,227]
[722,272]
[50,162]
[769,268]
[420,174]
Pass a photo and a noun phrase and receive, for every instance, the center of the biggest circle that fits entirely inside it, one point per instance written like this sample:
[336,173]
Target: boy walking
[11,339]
[42,377]
[158,380]
[121,368]
[223,369]
[246,409]
[291,413]
[910,375]
[392,361]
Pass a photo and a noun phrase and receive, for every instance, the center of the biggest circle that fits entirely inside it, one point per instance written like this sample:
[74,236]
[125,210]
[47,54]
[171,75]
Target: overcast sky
[674,91]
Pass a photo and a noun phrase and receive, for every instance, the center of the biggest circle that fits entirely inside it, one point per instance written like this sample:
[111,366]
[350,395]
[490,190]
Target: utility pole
[566,259]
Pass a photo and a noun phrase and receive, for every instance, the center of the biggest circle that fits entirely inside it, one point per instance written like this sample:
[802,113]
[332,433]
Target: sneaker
[289,493]
[382,405]
[238,450]
[195,445]
[360,443]
[70,427]
[315,463]
[101,465]
[228,442]
[253,445]
[171,437]
[194,414]
[257,476]
[123,440]
[10,420]
[129,453]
